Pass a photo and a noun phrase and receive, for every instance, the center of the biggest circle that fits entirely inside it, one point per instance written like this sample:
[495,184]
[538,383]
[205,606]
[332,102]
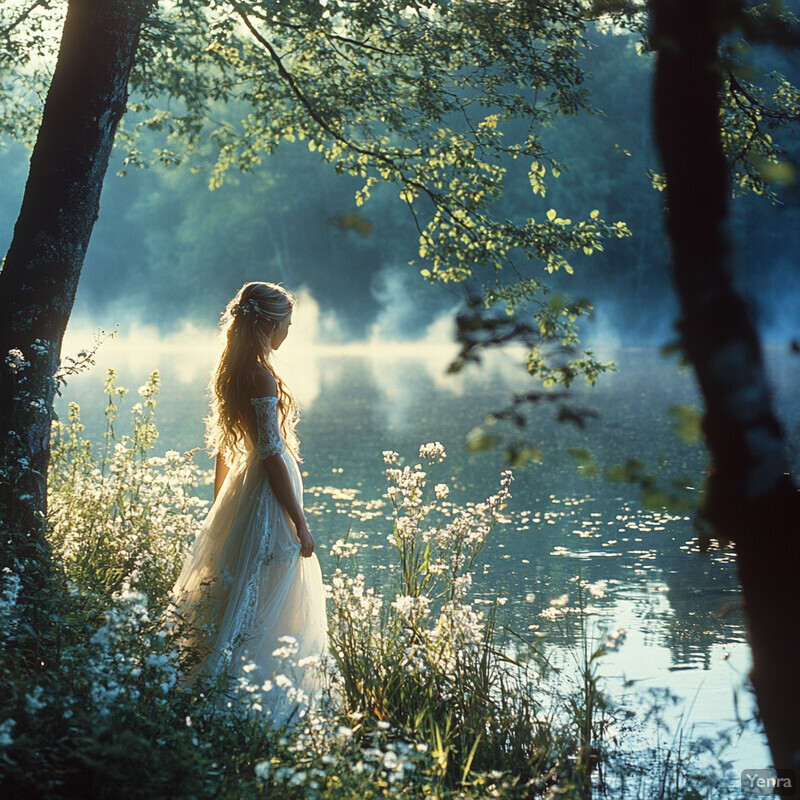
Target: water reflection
[679,606]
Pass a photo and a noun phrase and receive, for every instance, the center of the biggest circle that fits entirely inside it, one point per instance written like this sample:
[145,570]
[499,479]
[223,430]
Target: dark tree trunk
[751,498]
[85,102]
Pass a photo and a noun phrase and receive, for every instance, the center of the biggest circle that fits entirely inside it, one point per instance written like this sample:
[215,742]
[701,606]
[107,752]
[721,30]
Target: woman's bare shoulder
[263,383]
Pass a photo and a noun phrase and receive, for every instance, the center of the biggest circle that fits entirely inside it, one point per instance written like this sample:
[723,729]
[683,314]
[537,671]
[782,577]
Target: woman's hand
[306,541]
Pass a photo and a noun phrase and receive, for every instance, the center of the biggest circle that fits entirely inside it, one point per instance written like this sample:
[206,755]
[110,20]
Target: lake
[680,607]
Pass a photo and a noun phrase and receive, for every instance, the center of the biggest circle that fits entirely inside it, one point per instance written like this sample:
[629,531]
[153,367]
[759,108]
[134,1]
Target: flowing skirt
[257,609]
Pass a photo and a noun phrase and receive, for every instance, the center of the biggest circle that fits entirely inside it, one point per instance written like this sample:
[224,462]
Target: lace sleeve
[269,431]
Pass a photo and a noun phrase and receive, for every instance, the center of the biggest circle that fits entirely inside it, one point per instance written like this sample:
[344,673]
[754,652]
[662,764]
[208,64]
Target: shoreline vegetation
[427,693]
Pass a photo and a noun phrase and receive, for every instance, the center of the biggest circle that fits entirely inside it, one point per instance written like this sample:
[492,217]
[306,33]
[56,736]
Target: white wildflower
[284,773]
[406,529]
[343,549]
[283,682]
[404,605]
[16,360]
[372,754]
[391,761]
[5,733]
[615,639]
[34,702]
[432,451]
[298,779]
[289,649]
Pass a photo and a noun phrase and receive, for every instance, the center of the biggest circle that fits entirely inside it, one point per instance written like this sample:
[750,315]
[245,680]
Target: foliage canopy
[446,100]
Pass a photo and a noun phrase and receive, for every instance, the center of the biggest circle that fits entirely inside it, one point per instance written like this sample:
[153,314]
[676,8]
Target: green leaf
[687,422]
[779,173]
[478,440]
[584,459]
[517,456]
[654,498]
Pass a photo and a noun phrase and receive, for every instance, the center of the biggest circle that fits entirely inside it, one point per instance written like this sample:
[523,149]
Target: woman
[252,578]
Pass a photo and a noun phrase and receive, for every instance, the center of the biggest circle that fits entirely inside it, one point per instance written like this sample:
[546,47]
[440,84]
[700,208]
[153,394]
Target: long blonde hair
[247,325]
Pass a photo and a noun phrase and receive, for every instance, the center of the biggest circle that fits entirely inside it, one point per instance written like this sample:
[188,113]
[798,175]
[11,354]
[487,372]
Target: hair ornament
[245,308]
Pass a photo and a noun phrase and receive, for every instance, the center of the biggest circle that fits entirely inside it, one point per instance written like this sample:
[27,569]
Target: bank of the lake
[679,607]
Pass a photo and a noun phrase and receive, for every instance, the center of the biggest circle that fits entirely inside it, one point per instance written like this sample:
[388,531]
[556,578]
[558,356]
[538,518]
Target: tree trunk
[751,498]
[85,102]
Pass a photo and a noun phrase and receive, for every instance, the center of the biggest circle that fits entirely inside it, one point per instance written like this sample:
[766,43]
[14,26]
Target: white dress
[245,587]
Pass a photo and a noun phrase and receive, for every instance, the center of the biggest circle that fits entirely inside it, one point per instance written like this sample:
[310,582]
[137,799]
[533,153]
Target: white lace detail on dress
[245,614]
[269,442]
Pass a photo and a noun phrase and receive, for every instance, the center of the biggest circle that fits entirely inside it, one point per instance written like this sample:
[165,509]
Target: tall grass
[426,661]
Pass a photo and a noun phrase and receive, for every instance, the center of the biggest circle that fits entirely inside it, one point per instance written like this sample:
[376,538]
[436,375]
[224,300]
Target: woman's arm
[220,472]
[278,476]
[265,385]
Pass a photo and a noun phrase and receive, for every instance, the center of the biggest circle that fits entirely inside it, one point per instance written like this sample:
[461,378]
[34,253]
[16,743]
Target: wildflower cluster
[16,362]
[89,695]
[425,659]
[122,517]
[335,755]
[436,540]
[131,652]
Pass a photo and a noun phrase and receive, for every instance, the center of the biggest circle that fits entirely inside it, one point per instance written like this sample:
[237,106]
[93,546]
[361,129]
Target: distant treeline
[167,249]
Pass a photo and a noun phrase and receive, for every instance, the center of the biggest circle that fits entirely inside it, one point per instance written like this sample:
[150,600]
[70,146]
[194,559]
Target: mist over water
[399,332]
[166,252]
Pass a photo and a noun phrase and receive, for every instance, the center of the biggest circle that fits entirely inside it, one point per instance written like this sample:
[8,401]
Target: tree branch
[5,32]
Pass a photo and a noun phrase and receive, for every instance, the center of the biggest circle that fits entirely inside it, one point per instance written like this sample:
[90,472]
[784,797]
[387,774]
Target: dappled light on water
[679,607]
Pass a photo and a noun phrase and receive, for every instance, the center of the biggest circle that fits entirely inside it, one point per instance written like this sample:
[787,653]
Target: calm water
[680,607]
